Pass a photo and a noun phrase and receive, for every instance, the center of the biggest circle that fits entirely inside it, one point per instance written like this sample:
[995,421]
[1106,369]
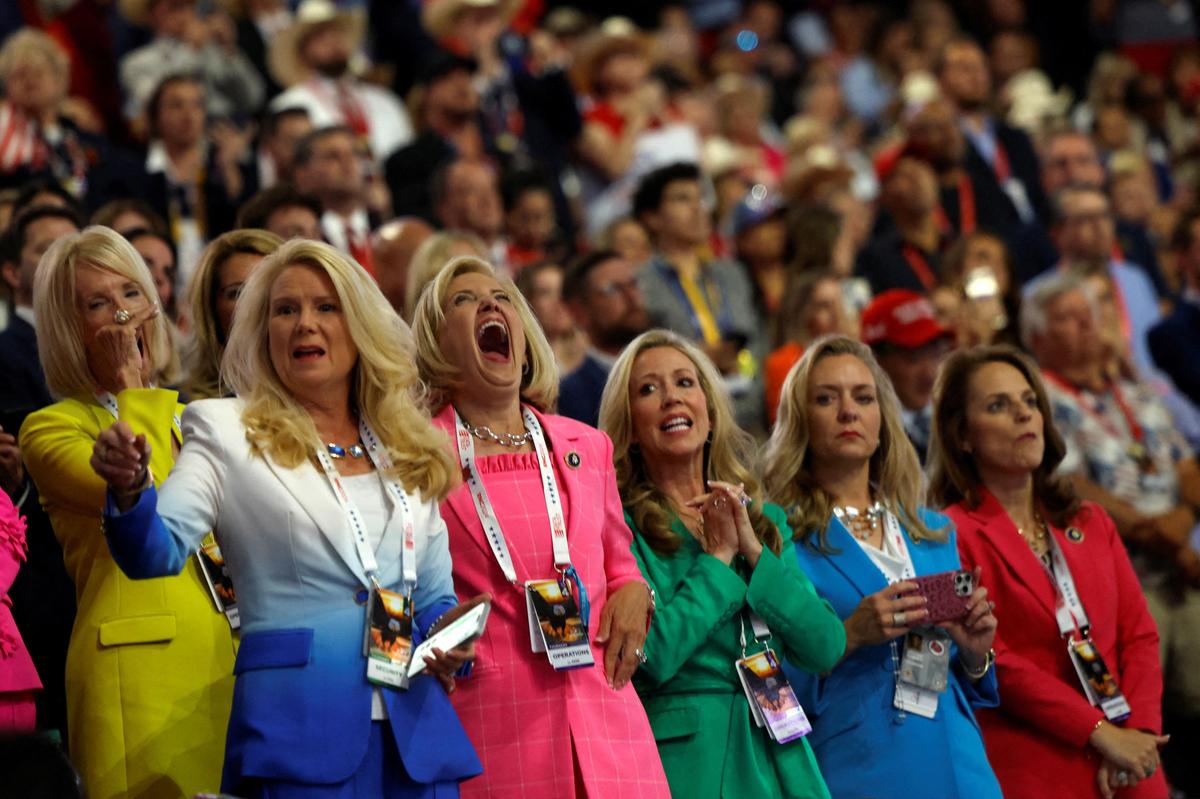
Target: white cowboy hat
[437,16]
[283,58]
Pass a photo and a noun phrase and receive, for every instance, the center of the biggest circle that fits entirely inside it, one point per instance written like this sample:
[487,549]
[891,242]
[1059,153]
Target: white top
[888,560]
[369,495]
[389,125]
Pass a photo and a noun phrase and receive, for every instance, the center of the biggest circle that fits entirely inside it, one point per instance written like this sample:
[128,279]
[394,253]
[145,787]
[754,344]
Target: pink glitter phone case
[947,594]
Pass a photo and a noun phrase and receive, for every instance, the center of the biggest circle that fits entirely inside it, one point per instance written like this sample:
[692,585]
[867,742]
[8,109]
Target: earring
[525,368]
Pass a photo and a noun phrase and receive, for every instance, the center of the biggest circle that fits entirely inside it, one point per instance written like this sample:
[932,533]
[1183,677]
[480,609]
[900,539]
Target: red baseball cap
[901,318]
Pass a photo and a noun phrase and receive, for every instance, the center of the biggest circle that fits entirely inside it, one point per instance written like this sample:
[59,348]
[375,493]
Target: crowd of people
[823,379]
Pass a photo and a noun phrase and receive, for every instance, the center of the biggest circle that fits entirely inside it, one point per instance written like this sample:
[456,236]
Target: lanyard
[487,513]
[920,265]
[1068,608]
[383,464]
[966,204]
[891,531]
[1135,429]
[109,402]
[698,303]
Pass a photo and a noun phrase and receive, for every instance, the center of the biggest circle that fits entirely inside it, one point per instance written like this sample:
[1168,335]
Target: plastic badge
[388,644]
[220,584]
[1098,682]
[773,701]
[555,626]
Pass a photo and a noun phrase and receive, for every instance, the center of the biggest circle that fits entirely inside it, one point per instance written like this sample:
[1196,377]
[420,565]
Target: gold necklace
[1036,541]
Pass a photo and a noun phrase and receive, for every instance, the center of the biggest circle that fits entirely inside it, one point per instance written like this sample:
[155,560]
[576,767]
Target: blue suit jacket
[302,704]
[863,746]
[1174,343]
[579,392]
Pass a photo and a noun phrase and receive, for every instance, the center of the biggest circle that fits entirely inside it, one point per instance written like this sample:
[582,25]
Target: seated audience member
[306,721]
[312,58]
[720,560]
[149,674]
[840,463]
[159,254]
[813,306]
[1124,453]
[909,342]
[18,678]
[629,238]
[529,221]
[446,105]
[1175,341]
[908,254]
[129,214]
[433,254]
[528,473]
[329,168]
[284,211]
[212,296]
[760,243]
[978,269]
[706,301]
[466,196]
[393,246]
[37,139]
[542,285]
[184,41]
[1083,232]
[282,130]
[994,452]
[601,292]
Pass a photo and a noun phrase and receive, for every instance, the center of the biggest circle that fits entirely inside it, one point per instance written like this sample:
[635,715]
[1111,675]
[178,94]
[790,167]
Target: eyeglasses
[613,287]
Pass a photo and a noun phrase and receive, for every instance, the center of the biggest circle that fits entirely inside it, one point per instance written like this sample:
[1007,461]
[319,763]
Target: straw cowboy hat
[137,11]
[616,35]
[437,16]
[283,58]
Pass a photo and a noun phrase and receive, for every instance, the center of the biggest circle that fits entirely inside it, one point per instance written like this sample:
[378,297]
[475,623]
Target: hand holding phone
[947,594]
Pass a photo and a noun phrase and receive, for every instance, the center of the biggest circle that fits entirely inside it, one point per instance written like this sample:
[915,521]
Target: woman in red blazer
[994,449]
[18,678]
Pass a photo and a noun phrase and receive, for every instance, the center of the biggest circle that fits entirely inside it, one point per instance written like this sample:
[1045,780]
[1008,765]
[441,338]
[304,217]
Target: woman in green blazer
[710,548]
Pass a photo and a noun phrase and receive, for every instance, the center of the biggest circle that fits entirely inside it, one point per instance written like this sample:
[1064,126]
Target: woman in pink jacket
[560,717]
[18,678]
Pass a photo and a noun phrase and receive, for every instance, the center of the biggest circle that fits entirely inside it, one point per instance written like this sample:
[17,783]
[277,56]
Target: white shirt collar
[24,312]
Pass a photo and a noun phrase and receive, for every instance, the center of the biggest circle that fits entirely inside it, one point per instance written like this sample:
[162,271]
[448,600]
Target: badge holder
[773,701]
[388,645]
[220,584]
[923,672]
[1098,683]
[556,625]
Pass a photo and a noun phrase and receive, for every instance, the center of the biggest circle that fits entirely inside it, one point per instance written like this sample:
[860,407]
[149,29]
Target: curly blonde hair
[385,386]
[895,471]
[727,458]
[539,382]
[202,356]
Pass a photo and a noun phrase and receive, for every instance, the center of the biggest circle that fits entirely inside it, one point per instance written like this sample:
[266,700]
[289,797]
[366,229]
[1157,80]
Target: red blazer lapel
[1000,533]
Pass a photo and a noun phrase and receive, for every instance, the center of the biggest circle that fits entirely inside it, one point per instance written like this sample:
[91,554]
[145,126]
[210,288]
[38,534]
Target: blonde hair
[207,343]
[895,471]
[384,387]
[539,381]
[29,42]
[57,314]
[429,258]
[729,451]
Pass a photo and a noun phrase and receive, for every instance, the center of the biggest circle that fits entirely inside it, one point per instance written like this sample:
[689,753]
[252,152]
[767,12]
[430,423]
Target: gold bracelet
[979,674]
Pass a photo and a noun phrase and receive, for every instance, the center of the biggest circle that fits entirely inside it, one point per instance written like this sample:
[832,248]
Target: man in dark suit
[43,597]
[1175,341]
[601,291]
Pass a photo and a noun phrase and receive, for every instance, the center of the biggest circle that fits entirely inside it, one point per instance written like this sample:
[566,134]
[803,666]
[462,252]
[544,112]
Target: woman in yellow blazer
[150,663]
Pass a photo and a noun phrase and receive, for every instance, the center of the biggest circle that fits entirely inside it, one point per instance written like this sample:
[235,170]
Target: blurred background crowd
[923,176]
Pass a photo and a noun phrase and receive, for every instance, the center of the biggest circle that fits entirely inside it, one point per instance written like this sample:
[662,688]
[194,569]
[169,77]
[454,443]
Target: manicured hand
[885,615]
[624,623]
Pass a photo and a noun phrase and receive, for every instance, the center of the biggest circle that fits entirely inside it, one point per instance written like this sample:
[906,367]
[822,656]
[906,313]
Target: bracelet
[979,674]
[653,598]
[1098,724]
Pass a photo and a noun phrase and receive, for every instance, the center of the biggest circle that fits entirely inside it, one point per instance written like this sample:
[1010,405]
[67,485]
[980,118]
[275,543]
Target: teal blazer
[706,735]
[864,746]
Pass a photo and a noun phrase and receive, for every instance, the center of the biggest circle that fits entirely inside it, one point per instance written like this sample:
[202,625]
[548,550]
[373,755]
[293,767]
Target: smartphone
[980,283]
[466,627]
[947,594]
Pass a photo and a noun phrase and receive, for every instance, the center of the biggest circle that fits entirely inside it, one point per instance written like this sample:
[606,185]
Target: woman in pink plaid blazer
[539,731]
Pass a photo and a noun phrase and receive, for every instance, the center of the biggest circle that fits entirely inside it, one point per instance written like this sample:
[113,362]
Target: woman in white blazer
[319,481]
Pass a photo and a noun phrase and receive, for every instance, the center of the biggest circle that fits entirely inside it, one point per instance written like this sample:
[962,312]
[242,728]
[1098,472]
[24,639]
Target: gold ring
[122,316]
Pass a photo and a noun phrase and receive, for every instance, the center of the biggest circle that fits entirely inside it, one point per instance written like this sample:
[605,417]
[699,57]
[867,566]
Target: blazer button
[360,596]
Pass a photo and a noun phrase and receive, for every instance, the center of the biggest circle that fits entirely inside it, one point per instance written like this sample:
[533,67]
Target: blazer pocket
[677,722]
[274,649]
[149,629]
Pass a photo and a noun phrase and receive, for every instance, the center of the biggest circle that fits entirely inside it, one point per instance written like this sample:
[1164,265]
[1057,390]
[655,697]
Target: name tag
[773,701]
[924,671]
[556,626]
[388,643]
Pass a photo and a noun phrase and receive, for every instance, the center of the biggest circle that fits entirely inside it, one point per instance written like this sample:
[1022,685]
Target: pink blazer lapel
[999,532]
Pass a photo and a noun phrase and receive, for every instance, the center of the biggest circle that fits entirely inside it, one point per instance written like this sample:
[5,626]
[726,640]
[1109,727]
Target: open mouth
[492,338]
[676,424]
[307,353]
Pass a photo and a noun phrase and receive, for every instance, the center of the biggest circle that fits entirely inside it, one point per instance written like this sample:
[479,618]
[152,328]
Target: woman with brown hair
[1060,575]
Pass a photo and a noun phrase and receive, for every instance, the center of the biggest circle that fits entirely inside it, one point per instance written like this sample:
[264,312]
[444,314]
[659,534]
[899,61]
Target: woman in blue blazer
[320,482]
[841,464]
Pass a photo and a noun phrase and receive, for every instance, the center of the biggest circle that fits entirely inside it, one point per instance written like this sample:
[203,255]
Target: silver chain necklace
[484,433]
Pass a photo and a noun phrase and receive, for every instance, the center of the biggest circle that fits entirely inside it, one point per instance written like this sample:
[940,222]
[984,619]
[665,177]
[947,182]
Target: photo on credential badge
[217,575]
[391,628]
[772,697]
[557,613]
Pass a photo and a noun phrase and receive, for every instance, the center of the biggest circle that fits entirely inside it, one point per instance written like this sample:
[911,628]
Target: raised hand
[121,360]
[123,461]
[975,633]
